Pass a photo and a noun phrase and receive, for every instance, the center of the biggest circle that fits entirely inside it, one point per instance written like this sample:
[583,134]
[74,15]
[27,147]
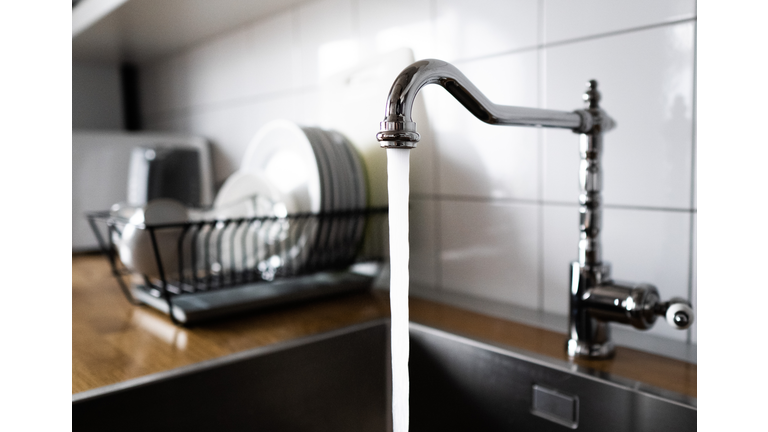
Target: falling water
[398,175]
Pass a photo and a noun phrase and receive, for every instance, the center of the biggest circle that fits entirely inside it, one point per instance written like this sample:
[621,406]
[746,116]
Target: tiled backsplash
[494,209]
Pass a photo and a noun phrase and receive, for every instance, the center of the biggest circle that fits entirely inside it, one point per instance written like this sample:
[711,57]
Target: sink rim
[499,348]
[565,366]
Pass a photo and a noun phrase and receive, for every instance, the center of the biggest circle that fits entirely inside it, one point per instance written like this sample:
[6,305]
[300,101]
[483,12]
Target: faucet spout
[398,130]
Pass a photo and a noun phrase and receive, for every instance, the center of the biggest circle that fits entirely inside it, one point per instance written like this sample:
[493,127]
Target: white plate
[282,153]
[246,195]
[249,194]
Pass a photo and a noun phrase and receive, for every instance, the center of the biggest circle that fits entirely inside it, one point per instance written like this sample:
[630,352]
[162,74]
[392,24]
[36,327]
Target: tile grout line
[509,200]
[544,45]
[620,32]
[540,94]
[296,60]
[188,111]
[356,24]
[692,233]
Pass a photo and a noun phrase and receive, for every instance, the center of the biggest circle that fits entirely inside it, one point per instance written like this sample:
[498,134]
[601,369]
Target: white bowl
[135,248]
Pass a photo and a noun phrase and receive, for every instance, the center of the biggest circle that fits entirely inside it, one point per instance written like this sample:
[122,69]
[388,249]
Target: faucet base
[595,351]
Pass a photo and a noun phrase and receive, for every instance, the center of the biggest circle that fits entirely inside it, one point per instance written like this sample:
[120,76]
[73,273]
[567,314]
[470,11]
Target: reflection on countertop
[113,341]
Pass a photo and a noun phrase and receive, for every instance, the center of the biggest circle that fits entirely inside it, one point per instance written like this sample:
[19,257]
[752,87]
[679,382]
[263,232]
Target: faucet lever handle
[678,312]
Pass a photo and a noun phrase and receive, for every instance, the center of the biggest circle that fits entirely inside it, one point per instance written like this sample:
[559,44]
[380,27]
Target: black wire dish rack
[199,270]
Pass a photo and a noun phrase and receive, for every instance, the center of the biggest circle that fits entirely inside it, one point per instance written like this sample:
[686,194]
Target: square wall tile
[384,27]
[570,19]
[310,107]
[490,250]
[220,69]
[272,49]
[328,39]
[482,160]
[422,240]
[484,27]
[560,248]
[648,246]
[646,81]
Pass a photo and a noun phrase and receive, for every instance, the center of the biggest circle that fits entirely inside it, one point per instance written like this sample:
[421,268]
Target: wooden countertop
[113,341]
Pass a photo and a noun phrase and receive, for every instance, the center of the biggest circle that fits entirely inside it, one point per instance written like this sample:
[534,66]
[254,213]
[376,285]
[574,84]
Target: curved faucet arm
[399,130]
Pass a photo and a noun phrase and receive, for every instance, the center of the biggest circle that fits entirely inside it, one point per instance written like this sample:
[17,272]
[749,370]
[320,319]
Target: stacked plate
[320,173]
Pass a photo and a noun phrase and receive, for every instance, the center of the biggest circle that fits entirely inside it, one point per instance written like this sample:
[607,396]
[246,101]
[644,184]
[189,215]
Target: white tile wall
[219,68]
[467,29]
[483,161]
[384,27]
[568,19]
[272,41]
[560,248]
[423,265]
[328,39]
[493,213]
[490,250]
[646,81]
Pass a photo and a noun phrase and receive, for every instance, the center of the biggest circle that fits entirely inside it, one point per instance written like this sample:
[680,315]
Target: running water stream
[398,168]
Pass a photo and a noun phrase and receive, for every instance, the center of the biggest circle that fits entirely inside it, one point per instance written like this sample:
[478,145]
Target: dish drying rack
[226,266]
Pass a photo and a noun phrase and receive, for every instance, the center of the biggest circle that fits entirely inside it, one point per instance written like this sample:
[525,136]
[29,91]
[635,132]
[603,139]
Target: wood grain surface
[113,341]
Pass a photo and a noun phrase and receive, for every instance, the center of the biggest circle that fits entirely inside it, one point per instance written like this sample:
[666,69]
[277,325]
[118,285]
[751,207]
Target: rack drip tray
[192,308]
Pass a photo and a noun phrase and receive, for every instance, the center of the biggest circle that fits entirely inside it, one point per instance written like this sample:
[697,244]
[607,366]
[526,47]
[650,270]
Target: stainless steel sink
[340,381]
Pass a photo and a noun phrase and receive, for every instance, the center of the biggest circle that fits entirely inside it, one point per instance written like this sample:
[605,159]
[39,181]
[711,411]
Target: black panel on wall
[129,81]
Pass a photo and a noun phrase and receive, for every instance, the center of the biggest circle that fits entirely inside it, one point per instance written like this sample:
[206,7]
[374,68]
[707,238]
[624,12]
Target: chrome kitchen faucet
[595,299]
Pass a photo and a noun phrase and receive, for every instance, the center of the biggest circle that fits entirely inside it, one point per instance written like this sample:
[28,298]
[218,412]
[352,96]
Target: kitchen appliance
[165,172]
[100,172]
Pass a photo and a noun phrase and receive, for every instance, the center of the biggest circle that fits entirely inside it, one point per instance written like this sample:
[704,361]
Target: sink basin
[340,381]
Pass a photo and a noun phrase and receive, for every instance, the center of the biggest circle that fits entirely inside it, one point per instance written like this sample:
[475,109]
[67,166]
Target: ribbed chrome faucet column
[590,149]
[588,336]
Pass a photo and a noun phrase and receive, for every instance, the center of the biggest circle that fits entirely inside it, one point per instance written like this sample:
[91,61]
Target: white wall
[494,209]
